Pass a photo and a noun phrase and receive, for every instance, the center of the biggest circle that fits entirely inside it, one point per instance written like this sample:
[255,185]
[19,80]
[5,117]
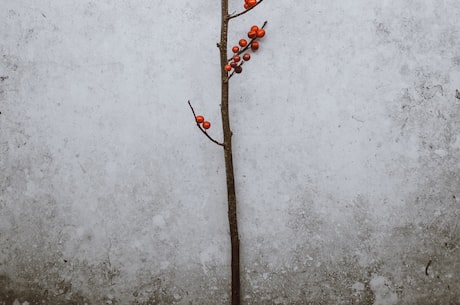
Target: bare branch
[201,128]
[244,12]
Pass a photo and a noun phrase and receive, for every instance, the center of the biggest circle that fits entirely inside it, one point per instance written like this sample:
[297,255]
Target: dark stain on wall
[13,292]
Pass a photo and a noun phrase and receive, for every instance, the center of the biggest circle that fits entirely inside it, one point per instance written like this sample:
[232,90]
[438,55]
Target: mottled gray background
[347,153]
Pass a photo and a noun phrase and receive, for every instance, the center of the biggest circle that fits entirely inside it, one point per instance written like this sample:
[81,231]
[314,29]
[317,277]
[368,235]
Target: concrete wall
[347,153]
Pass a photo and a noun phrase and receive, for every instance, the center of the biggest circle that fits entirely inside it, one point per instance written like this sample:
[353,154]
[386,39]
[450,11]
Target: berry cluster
[200,120]
[249,3]
[235,62]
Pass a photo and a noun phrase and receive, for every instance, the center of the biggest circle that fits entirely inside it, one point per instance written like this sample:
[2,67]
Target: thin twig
[248,45]
[427,266]
[201,128]
[245,11]
[230,76]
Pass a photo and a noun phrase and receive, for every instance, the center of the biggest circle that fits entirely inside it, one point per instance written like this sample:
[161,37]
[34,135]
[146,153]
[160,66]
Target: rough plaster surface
[347,153]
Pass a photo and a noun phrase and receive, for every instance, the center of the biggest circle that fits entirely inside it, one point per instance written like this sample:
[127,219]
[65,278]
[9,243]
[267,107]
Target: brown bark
[227,132]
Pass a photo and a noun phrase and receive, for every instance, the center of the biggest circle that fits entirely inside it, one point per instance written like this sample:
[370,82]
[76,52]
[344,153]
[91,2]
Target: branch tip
[228,17]
[241,51]
[201,128]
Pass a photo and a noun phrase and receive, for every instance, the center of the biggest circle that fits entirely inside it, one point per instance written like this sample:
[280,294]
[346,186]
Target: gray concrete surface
[347,153]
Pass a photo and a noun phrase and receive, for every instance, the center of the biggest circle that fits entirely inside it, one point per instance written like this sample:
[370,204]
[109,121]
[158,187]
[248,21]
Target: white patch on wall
[159,221]
[383,291]
[358,288]
[207,256]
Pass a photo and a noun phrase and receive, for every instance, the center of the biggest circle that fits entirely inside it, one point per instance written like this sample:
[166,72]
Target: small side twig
[248,45]
[231,74]
[244,12]
[201,128]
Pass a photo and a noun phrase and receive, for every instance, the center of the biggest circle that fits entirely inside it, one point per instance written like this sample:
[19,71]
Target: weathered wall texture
[347,153]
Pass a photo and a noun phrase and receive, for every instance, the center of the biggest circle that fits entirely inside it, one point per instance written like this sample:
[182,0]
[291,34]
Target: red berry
[243,42]
[228,68]
[236,58]
[233,64]
[246,56]
[238,69]
[260,33]
[254,28]
[246,6]
[235,49]
[206,125]
[255,45]
[252,3]
[252,34]
[199,119]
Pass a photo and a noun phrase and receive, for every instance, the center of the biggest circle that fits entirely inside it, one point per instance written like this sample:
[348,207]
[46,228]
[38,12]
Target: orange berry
[206,125]
[260,33]
[252,3]
[236,58]
[246,6]
[235,49]
[243,42]
[254,28]
[246,56]
[199,119]
[228,68]
[255,45]
[252,34]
